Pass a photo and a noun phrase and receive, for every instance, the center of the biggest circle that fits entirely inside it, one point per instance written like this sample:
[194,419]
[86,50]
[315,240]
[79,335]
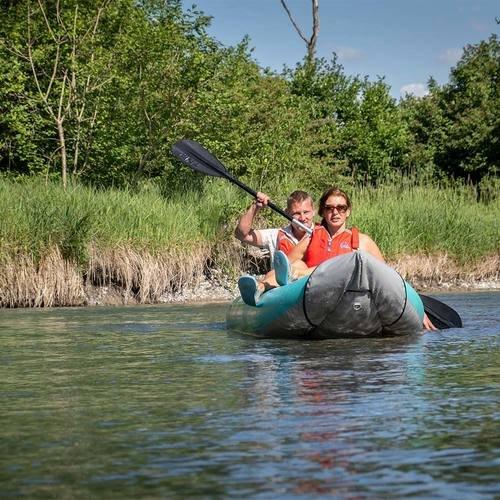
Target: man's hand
[261,200]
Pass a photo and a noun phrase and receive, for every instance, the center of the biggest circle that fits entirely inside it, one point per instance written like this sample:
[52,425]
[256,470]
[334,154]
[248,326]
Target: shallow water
[161,401]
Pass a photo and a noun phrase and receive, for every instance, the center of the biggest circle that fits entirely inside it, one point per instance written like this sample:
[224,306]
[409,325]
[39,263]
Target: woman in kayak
[330,238]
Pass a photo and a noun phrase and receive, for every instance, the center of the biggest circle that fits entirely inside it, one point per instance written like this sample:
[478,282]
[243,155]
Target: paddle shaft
[270,204]
[202,161]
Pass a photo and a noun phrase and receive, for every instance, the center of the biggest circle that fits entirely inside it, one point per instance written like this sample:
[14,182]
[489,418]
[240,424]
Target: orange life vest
[285,242]
[323,247]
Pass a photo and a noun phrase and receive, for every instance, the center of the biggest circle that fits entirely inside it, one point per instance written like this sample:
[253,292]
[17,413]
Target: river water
[163,402]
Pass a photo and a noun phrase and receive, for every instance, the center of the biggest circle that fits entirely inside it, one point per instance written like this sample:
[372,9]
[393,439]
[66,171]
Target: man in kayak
[299,205]
[330,238]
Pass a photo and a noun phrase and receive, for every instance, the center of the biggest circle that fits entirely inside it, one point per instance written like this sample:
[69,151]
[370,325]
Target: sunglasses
[341,209]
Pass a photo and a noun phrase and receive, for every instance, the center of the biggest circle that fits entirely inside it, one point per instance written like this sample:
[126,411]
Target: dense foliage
[456,128]
[98,92]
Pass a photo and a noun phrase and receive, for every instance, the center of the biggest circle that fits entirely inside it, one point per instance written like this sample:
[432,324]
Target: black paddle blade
[194,155]
[442,315]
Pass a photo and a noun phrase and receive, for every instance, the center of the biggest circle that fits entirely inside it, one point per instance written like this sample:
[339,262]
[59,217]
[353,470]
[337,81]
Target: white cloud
[416,89]
[349,53]
[450,56]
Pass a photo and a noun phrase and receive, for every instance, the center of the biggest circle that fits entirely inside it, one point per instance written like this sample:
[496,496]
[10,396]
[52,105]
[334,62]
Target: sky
[404,41]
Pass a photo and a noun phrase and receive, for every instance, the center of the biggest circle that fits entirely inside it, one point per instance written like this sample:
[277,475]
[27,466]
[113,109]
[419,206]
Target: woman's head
[331,195]
[334,208]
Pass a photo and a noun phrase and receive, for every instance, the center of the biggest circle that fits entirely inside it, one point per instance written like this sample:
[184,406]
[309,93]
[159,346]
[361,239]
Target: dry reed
[140,275]
[443,269]
[144,276]
[53,281]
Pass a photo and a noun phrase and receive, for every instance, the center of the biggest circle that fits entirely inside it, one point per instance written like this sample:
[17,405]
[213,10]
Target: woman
[329,239]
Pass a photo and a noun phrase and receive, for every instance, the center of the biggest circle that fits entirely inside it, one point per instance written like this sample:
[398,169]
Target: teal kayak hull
[353,295]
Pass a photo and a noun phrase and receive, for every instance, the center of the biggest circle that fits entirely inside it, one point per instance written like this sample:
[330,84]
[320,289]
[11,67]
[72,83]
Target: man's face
[303,211]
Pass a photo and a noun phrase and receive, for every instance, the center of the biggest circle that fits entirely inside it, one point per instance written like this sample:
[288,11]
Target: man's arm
[244,231]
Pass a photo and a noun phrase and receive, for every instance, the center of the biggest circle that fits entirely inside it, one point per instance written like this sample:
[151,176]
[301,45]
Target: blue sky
[406,41]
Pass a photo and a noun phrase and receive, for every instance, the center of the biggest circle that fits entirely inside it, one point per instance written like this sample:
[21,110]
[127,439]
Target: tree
[456,127]
[470,103]
[310,42]
[99,89]
[58,45]
[356,123]
[375,140]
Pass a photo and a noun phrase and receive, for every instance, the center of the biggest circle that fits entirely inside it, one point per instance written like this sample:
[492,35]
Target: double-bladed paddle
[195,156]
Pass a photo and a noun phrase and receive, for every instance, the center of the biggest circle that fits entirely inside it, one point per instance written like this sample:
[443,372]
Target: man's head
[301,207]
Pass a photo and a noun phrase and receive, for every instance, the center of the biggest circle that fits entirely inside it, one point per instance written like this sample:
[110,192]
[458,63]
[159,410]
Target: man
[299,206]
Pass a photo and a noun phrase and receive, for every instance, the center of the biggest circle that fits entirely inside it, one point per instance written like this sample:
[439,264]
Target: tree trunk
[62,145]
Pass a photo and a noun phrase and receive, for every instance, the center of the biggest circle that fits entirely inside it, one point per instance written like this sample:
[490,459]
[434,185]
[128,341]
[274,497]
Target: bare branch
[52,34]
[310,42]
[60,117]
[93,29]
[58,16]
[16,52]
[311,46]
[73,51]
[33,69]
[54,72]
[292,20]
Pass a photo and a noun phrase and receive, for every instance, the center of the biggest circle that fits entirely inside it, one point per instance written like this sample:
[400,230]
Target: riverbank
[427,274]
[209,291]
[125,277]
[84,246]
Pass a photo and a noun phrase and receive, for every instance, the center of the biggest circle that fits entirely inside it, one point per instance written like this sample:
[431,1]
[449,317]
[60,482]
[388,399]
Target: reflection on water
[162,401]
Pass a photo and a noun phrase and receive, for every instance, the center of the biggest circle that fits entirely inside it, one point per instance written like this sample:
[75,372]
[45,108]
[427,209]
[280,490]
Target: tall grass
[429,220]
[53,242]
[416,218]
[140,242]
[35,217]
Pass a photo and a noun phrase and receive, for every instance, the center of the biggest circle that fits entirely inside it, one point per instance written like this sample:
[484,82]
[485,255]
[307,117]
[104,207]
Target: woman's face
[336,212]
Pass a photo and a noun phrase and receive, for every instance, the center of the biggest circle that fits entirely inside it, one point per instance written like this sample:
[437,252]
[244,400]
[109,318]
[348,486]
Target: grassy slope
[148,245]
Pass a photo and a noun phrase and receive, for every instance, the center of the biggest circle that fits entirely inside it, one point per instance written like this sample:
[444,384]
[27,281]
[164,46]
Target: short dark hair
[298,197]
[333,191]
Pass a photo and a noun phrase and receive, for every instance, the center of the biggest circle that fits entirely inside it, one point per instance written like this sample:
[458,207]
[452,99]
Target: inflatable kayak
[353,295]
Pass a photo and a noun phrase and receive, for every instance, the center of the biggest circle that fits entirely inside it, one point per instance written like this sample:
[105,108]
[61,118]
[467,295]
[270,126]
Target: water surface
[162,401]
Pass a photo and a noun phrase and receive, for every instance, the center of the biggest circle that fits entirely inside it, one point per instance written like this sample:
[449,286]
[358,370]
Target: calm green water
[162,402]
